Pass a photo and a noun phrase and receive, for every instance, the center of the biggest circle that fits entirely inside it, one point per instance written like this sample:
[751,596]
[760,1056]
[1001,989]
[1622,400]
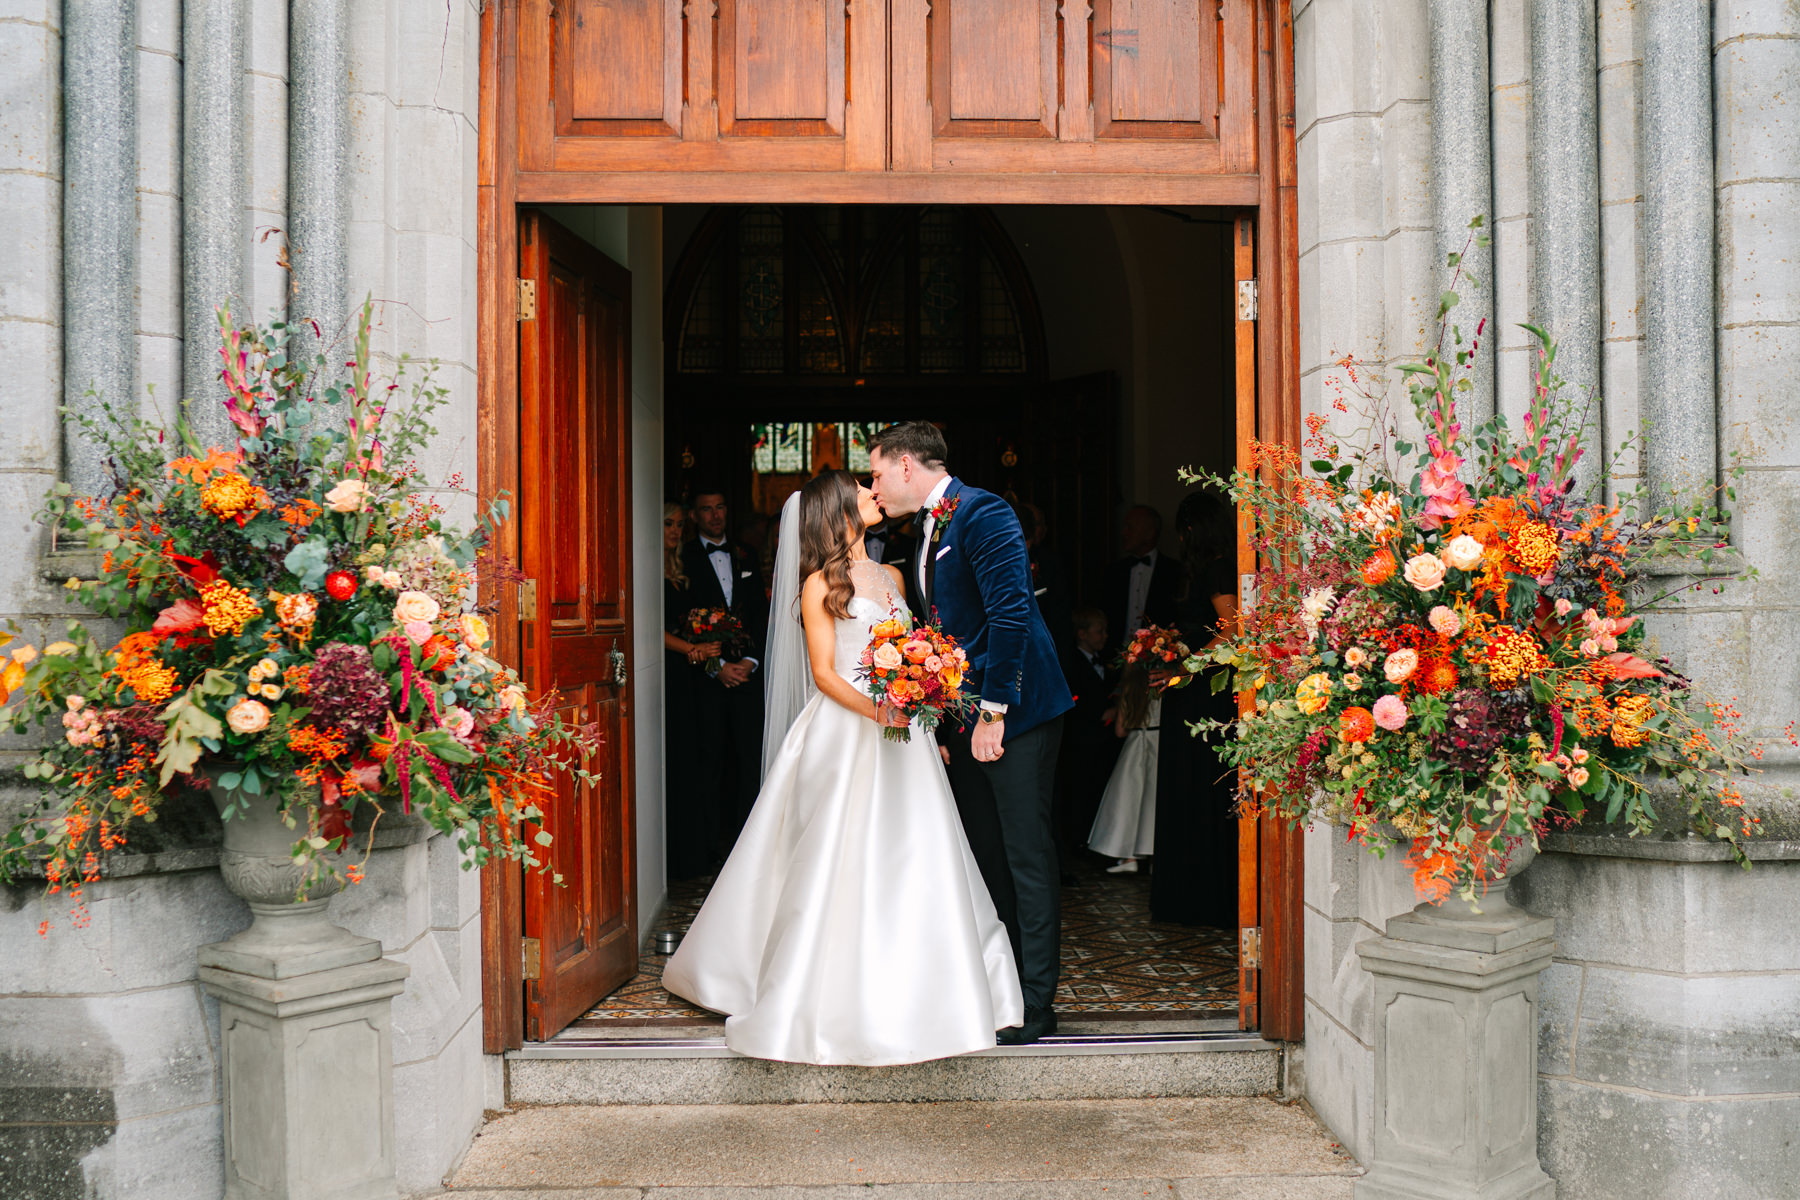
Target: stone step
[698,1068]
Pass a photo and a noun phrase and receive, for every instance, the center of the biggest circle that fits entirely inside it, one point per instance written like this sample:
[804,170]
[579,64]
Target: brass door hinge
[1250,948]
[1246,296]
[531,959]
[527,599]
[527,299]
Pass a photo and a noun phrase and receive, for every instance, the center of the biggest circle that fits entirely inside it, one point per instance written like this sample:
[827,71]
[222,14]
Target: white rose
[1463,553]
[347,496]
[414,606]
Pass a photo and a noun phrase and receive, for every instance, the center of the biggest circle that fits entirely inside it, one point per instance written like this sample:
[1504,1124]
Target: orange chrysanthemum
[1435,675]
[1356,725]
[1629,716]
[1379,569]
[1535,547]
[1513,654]
[232,497]
[228,608]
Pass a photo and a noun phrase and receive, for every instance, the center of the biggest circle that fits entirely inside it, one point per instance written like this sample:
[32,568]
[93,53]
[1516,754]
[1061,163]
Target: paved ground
[1184,1149]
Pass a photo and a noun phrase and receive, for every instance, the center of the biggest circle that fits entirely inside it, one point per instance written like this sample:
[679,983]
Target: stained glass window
[702,346]
[761,283]
[805,447]
[820,340]
[884,333]
[1002,346]
[942,336]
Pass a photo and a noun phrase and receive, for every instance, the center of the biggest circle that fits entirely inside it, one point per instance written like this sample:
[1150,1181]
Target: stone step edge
[566,1047]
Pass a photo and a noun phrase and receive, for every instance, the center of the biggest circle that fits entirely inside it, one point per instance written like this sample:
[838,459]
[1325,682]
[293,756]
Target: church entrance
[900,214]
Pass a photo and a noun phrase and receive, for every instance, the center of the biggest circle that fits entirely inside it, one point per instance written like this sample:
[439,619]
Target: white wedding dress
[851,924]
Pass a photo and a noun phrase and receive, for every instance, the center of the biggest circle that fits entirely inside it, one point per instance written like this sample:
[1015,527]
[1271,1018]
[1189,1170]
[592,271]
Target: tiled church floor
[1117,963]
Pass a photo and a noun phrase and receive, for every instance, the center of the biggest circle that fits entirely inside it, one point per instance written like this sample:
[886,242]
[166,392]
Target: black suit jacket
[1092,690]
[893,546]
[1159,602]
[749,600]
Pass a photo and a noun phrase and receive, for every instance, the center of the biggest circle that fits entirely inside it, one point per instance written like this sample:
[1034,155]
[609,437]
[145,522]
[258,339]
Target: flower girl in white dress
[850,924]
[1125,826]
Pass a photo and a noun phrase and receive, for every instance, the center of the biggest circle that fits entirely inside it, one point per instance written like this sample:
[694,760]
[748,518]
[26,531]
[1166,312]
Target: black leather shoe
[1039,1023]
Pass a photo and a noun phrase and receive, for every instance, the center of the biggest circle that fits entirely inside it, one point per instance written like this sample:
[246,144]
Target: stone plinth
[308,1069]
[1456,1055]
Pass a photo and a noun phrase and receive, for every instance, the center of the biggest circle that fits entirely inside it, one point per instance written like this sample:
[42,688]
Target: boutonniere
[941,512]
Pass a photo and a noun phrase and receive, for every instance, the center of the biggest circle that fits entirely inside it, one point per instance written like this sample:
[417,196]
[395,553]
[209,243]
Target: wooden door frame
[1270,194]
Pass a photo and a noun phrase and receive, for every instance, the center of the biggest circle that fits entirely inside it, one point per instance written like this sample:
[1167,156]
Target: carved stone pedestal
[1456,1054]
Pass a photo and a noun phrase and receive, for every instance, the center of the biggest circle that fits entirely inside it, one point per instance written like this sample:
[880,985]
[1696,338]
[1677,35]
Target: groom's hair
[920,439]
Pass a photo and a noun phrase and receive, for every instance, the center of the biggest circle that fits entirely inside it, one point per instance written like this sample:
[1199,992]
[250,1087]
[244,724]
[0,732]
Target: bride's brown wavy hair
[828,520]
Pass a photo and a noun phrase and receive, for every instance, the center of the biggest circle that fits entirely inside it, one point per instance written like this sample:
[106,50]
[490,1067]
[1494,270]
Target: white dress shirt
[1139,594]
[722,565]
[926,550]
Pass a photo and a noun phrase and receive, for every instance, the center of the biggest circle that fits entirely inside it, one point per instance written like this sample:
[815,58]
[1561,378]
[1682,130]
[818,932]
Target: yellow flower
[231,495]
[227,609]
[1536,547]
[474,631]
[1314,693]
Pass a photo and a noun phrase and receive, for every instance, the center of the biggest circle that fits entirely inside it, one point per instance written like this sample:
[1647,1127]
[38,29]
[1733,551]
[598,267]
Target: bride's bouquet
[916,671]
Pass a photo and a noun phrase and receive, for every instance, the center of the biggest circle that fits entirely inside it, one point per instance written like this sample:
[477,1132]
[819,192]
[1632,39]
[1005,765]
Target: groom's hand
[986,745]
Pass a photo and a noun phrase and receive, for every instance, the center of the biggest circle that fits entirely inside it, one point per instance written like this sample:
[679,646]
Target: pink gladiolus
[1446,497]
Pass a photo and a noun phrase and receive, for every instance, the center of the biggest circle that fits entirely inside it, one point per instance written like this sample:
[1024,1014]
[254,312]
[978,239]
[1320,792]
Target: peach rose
[917,650]
[1401,664]
[1425,572]
[1579,776]
[934,664]
[1355,657]
[414,606]
[248,716]
[347,496]
[890,628]
[887,656]
[459,721]
[1463,553]
[1563,606]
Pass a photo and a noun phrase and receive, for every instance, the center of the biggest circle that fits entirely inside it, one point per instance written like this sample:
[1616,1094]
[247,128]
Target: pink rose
[418,631]
[934,664]
[887,656]
[1401,664]
[1390,713]
[1590,648]
[1443,618]
[1563,606]
[1578,754]
[1425,572]
[459,720]
[1578,776]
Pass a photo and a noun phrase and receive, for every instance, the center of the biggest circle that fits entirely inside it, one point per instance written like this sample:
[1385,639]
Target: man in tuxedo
[728,721]
[1090,745]
[1142,586]
[972,574]
[890,543]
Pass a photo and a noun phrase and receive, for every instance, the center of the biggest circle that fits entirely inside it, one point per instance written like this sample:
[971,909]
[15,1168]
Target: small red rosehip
[340,585]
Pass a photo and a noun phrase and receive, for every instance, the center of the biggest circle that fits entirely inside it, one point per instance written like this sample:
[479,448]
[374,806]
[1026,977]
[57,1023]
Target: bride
[850,924]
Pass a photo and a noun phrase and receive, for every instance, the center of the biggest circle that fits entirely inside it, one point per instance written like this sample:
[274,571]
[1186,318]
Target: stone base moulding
[1456,1054]
[309,1081]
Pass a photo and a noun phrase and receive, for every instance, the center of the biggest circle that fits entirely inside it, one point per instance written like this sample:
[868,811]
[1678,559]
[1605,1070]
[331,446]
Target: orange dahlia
[1356,725]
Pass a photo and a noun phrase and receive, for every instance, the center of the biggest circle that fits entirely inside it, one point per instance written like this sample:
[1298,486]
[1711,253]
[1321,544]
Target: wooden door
[574,510]
[1250,931]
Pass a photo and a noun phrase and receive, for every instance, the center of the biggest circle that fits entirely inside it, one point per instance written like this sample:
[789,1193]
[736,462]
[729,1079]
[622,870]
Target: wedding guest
[1141,585]
[1196,847]
[1089,747]
[689,843]
[728,710]
[1048,578]
[890,541]
[1125,827]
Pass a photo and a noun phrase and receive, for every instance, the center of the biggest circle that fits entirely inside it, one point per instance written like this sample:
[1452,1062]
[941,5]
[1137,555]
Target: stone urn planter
[304,1027]
[1456,993]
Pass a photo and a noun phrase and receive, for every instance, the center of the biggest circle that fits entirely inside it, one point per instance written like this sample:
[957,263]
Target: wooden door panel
[781,68]
[618,67]
[574,544]
[1155,67]
[994,63]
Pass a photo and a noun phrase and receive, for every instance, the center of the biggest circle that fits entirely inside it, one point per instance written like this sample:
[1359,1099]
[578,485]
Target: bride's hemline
[909,1061]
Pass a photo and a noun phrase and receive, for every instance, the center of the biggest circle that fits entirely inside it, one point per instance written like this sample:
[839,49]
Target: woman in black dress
[1196,877]
[687,823]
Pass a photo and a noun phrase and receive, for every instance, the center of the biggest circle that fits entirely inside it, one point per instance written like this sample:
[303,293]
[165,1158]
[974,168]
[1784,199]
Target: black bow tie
[1146,561]
[719,549]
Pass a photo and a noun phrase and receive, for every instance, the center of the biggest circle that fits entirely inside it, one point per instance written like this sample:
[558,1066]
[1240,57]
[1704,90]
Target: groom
[972,573]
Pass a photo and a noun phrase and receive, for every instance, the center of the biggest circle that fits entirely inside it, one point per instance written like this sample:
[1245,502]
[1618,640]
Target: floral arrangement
[298,631]
[1446,639]
[1162,652]
[917,671]
[717,625]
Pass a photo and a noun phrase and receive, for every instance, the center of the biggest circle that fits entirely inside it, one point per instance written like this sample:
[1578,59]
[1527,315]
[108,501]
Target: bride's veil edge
[788,682]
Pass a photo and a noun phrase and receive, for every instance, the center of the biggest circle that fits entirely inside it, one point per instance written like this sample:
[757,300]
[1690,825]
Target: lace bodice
[877,598]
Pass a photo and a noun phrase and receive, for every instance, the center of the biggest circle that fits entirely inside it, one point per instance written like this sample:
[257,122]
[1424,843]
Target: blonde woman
[689,825]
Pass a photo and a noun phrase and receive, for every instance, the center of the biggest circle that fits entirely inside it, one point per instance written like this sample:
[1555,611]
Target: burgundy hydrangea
[1478,722]
[346,691]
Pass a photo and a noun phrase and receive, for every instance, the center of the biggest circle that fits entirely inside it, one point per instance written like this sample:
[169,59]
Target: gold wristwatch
[990,716]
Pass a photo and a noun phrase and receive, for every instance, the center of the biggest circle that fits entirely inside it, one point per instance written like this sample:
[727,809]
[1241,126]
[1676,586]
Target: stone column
[1462,176]
[318,158]
[1456,1035]
[1676,154]
[214,191]
[1565,199]
[99,224]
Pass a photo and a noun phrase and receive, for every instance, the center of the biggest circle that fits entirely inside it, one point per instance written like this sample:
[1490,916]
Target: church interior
[1076,358]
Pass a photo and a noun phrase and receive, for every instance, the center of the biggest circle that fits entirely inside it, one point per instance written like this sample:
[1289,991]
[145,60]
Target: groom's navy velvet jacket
[981,593]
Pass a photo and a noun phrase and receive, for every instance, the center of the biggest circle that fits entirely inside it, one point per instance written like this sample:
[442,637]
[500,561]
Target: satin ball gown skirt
[850,924]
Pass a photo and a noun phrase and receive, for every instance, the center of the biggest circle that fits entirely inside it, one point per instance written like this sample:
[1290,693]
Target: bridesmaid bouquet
[1157,648]
[916,671]
[717,625]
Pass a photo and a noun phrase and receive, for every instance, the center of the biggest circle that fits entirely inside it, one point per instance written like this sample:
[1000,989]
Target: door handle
[620,674]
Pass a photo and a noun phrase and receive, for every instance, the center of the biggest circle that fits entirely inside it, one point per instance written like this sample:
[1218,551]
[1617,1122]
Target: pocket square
[743,574]
[898,562]
[945,551]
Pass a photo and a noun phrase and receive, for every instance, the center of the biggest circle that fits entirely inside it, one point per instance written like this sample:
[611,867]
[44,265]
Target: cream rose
[347,496]
[1463,553]
[887,656]
[1425,572]
[414,606]
[248,716]
[1401,664]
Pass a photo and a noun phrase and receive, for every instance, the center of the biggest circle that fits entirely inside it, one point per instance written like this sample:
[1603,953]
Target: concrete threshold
[566,1046]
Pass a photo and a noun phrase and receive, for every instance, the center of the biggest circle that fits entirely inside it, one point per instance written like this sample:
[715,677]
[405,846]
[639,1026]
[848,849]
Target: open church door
[1250,933]
[575,610]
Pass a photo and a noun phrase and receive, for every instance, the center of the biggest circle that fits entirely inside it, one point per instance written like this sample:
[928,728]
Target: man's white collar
[937,493]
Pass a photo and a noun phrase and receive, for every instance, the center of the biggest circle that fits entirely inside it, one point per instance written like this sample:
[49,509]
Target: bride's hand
[890,717]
